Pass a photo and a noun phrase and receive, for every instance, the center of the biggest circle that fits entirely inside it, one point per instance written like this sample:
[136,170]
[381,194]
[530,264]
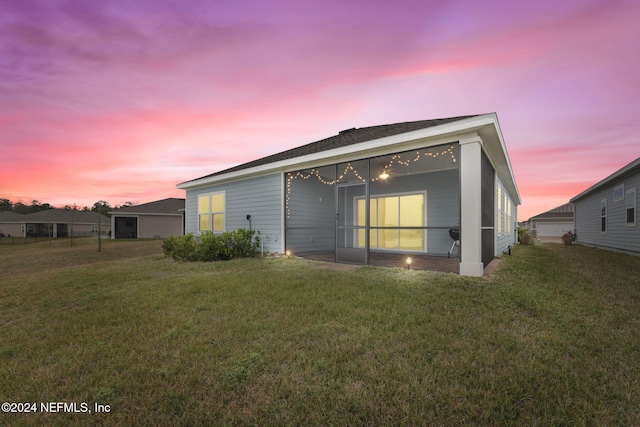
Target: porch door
[349,247]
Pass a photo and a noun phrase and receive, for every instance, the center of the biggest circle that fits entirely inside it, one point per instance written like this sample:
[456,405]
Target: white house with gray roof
[434,190]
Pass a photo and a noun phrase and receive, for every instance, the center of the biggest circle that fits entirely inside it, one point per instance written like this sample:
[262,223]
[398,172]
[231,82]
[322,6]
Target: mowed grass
[552,338]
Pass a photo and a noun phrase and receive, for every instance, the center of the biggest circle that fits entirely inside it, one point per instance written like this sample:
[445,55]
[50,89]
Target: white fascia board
[512,178]
[439,134]
[496,151]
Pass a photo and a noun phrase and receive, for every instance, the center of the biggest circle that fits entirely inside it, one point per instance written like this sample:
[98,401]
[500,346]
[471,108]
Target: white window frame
[381,196]
[500,210]
[626,206]
[509,221]
[211,213]
[618,193]
[603,216]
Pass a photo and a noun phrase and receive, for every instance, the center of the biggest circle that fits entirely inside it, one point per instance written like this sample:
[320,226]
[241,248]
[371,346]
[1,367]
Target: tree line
[100,206]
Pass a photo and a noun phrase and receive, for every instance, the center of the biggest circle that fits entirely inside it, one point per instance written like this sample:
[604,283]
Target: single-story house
[54,223]
[11,224]
[549,226]
[159,219]
[606,214]
[429,189]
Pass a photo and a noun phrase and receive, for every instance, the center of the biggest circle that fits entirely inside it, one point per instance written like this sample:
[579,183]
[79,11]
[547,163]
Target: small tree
[73,209]
[102,208]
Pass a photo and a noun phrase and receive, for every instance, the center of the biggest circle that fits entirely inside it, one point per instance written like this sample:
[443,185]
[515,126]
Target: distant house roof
[165,206]
[8,216]
[631,168]
[67,216]
[561,212]
[343,139]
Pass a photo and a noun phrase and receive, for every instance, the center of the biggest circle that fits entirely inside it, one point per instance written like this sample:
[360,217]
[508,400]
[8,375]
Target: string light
[395,159]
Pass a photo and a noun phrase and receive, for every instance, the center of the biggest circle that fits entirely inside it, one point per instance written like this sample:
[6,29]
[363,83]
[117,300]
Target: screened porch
[378,210]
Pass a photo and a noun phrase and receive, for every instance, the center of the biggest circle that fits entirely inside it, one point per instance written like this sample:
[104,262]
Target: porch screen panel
[488,210]
[310,210]
[422,189]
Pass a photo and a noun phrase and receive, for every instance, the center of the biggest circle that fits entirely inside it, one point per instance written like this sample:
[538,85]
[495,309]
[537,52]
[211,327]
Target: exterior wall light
[409,260]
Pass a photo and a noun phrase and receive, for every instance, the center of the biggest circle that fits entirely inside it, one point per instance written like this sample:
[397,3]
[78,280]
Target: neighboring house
[54,223]
[390,189]
[606,214]
[11,224]
[552,224]
[159,219]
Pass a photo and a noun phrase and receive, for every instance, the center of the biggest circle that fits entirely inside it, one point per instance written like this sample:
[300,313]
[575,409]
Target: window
[500,210]
[211,208]
[603,216]
[631,207]
[388,217]
[618,193]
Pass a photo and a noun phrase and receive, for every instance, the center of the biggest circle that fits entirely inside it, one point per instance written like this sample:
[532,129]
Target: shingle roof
[65,216]
[343,139]
[164,206]
[8,216]
[563,211]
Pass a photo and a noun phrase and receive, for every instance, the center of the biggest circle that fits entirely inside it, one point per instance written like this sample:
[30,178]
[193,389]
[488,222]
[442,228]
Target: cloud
[127,97]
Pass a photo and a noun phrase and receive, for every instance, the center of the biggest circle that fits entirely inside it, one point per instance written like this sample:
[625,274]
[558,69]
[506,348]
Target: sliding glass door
[396,222]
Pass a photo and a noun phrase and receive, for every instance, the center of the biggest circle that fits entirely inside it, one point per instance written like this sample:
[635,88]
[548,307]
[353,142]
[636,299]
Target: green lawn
[552,338]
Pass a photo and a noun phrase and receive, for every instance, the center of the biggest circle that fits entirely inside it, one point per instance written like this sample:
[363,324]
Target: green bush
[524,237]
[241,243]
[246,243]
[180,248]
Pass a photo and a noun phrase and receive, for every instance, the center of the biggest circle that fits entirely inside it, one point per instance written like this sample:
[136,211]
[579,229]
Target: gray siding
[619,236]
[150,226]
[311,209]
[311,215]
[259,197]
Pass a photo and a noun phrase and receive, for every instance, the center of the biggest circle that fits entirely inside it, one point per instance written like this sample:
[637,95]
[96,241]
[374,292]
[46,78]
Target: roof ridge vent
[346,131]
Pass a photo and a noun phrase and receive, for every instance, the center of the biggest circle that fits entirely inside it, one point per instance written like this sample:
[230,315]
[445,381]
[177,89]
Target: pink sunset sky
[122,100]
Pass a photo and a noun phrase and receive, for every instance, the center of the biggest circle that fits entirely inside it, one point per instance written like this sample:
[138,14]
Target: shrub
[180,248]
[524,237]
[241,243]
[568,238]
[246,243]
[211,247]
